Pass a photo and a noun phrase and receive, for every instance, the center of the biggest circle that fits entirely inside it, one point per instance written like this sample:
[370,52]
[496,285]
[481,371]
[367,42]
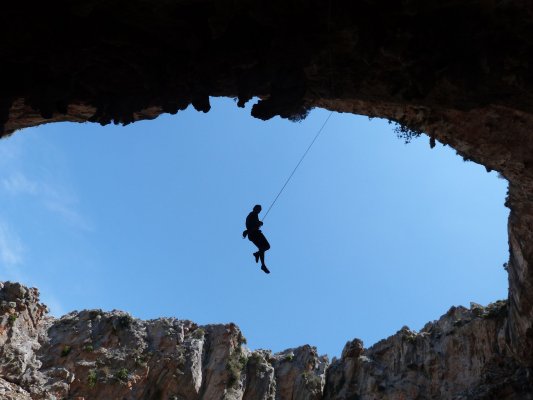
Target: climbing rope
[299,162]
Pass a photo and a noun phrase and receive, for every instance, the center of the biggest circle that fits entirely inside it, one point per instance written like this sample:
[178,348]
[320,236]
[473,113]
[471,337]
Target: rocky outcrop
[463,355]
[110,355]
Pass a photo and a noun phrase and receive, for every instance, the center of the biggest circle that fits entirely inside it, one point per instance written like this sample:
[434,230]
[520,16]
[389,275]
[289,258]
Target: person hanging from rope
[252,221]
[256,236]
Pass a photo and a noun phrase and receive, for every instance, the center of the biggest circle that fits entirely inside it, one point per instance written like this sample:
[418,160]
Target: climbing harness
[299,162]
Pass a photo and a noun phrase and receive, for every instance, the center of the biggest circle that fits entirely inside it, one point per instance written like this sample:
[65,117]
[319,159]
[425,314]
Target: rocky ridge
[94,354]
[110,355]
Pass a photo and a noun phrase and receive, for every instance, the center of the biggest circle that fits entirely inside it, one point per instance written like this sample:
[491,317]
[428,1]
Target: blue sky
[370,235]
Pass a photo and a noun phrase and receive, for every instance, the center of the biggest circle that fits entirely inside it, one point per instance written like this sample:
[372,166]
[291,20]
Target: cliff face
[463,355]
[110,355]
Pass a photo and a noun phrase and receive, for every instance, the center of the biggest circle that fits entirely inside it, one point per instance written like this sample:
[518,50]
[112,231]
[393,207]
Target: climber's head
[257,208]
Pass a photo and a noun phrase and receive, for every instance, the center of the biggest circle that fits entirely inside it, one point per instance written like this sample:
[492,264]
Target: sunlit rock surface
[110,355]
[463,355]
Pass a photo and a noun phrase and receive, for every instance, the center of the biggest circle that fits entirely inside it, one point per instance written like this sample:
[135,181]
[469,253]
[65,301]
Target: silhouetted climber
[256,236]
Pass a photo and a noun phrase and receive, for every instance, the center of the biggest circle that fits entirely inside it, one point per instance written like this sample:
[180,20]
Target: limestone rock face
[22,321]
[463,355]
[110,355]
[9,391]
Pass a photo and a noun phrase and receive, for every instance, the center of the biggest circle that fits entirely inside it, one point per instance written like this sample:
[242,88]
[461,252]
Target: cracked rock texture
[94,354]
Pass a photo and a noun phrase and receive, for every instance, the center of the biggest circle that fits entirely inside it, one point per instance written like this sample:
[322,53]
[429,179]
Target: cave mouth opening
[371,235]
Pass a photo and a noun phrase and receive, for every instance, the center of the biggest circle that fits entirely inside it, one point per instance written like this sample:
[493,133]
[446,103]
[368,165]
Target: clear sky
[370,235]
